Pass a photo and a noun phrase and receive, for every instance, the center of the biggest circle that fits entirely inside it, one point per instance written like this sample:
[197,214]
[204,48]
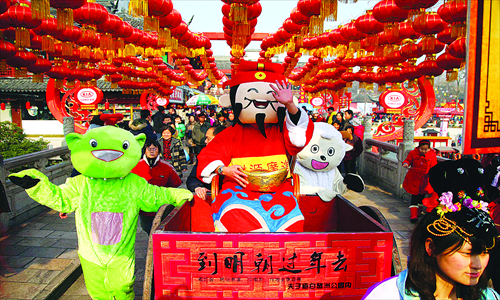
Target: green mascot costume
[106,199]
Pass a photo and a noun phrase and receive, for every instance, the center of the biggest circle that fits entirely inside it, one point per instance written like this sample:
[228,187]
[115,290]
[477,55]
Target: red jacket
[160,174]
[417,179]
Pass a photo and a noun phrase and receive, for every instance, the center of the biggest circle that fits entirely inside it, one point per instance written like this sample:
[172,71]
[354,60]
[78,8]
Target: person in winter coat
[142,125]
[194,184]
[351,156]
[172,150]
[199,131]
[189,139]
[157,172]
[419,161]
[158,120]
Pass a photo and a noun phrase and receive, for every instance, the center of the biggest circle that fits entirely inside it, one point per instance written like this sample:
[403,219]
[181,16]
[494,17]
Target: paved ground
[39,255]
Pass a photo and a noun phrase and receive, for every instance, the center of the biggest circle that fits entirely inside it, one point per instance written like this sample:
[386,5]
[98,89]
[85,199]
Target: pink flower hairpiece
[446,203]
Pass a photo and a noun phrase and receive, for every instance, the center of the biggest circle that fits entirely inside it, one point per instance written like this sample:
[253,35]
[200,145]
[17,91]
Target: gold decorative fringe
[164,37]
[85,52]
[40,9]
[391,29]
[316,24]
[59,83]
[64,18]
[414,14]
[151,24]
[356,45]
[48,44]
[458,30]
[241,30]
[138,8]
[451,75]
[67,49]
[21,72]
[381,87]
[98,54]
[37,77]
[329,9]
[428,43]
[23,39]
[3,65]
[238,13]
[118,43]
[106,42]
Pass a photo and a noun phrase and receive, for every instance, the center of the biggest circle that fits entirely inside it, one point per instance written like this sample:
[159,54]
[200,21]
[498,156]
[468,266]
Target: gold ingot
[265,181]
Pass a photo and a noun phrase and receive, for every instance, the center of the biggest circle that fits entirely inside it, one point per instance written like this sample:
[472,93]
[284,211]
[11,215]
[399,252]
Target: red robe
[244,145]
[417,179]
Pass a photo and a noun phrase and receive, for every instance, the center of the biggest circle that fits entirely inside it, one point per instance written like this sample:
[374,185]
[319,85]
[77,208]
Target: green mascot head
[105,152]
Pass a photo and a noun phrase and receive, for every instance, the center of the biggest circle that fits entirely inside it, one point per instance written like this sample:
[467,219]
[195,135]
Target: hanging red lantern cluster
[454,12]
[238,28]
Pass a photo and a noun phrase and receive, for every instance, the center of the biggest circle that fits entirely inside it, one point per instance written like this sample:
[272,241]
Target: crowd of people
[450,247]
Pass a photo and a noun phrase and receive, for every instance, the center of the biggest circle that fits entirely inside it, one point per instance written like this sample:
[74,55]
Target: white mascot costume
[317,165]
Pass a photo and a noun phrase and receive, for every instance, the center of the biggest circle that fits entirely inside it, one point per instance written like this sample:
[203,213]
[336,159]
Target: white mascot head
[326,149]
[251,95]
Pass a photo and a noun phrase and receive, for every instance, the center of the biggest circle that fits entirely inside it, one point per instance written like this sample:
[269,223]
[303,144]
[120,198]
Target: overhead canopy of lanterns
[102,44]
[384,43]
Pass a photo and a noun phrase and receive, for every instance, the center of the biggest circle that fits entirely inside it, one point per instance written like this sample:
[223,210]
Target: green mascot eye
[125,145]
[93,143]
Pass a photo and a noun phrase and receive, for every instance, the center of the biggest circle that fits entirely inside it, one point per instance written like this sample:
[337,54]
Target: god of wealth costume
[262,139]
[106,199]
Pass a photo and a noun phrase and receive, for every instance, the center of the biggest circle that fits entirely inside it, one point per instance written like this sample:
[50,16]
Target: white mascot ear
[224,101]
[348,147]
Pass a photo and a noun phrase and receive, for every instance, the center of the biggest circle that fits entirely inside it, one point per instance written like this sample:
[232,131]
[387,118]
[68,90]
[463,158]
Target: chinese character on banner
[268,263]
[233,262]
[340,261]
[290,266]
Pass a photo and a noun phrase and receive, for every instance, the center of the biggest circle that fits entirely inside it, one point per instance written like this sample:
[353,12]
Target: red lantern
[2,106]
[353,35]
[451,64]
[454,12]
[41,66]
[445,36]
[411,72]
[415,8]
[458,48]
[428,24]
[65,11]
[59,73]
[7,50]
[111,26]
[20,17]
[28,105]
[4,6]
[48,29]
[387,12]
[429,68]
[68,37]
[369,25]
[90,15]
[21,61]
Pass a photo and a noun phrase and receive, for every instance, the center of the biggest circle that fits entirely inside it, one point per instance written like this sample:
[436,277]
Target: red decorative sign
[393,101]
[88,97]
[317,101]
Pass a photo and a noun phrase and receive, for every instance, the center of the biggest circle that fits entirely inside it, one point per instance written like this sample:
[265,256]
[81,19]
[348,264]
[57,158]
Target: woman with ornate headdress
[450,247]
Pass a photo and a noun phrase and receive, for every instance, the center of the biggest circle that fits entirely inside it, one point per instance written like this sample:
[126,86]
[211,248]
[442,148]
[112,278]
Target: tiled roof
[25,85]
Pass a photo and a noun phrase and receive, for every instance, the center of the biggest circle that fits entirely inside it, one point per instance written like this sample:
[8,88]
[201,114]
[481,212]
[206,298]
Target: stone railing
[385,166]
[21,205]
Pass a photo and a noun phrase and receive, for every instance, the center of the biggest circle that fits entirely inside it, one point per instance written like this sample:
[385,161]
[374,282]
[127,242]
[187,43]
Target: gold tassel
[85,52]
[164,37]
[98,54]
[451,75]
[3,65]
[48,44]
[64,18]
[40,9]
[391,29]
[106,42]
[428,42]
[355,45]
[23,39]
[67,49]
[241,30]
[328,10]
[59,83]
[238,13]
[316,24]
[37,78]
[118,43]
[458,30]
[381,88]
[138,8]
[129,50]
[151,24]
